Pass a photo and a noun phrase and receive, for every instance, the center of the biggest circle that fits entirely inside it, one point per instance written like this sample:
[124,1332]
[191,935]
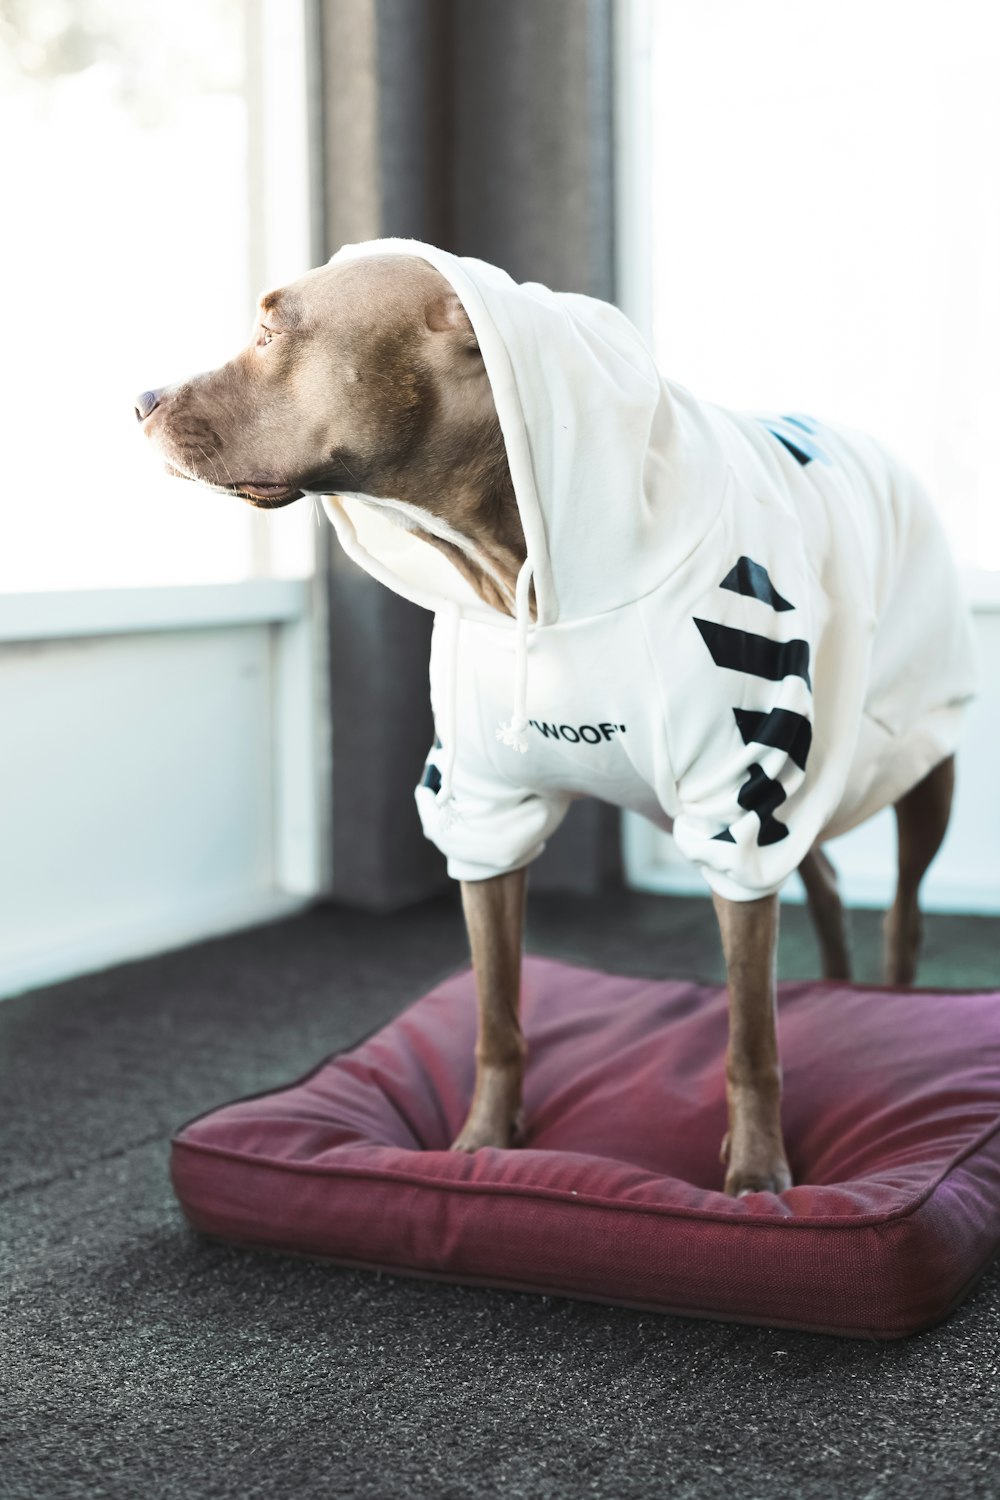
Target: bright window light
[128,260]
[825,216]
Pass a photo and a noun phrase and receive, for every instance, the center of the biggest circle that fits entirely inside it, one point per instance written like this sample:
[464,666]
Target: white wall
[964,877]
[157,783]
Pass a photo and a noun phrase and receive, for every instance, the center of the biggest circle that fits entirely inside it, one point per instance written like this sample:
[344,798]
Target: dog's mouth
[264,496]
[254,492]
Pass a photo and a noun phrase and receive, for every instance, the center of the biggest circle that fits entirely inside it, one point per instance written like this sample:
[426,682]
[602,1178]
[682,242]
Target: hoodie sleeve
[766,761]
[750,834]
[484,822]
[484,825]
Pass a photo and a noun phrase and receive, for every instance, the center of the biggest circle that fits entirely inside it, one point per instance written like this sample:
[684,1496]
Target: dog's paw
[481,1129]
[474,1138]
[494,1117]
[740,1183]
[763,1169]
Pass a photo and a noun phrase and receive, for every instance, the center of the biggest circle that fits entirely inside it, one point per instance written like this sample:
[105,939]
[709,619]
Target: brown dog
[367,377]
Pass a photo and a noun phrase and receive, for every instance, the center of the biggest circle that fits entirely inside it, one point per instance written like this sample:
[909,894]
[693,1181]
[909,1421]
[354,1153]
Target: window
[136,190]
[152,186]
[824,224]
[809,219]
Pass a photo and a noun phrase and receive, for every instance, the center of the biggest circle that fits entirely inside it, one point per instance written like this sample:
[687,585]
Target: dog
[745,627]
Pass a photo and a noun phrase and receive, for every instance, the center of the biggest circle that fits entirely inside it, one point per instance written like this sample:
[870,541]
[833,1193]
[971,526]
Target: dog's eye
[266,335]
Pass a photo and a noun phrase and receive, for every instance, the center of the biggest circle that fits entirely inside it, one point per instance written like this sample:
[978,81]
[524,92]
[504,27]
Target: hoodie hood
[616,478]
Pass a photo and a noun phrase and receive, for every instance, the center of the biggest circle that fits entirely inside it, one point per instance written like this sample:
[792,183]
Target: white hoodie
[749,628]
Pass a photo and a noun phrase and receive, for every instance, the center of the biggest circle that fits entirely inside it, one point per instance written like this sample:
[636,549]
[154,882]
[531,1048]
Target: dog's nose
[146,404]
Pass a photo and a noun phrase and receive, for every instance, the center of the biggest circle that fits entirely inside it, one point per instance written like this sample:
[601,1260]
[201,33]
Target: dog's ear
[445,314]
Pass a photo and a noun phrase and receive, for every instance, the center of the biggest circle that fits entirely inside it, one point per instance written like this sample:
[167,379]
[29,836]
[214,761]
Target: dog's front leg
[753,1151]
[494,916]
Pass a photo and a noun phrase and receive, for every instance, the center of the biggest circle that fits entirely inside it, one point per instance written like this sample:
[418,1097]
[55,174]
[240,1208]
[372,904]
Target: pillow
[891,1115]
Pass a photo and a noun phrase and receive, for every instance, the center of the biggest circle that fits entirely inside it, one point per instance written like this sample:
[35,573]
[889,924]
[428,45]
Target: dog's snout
[146,404]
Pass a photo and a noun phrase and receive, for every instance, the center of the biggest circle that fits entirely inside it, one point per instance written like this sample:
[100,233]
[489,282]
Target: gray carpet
[139,1361]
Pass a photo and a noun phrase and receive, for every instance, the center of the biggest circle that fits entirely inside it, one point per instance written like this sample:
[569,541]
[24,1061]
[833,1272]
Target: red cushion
[892,1109]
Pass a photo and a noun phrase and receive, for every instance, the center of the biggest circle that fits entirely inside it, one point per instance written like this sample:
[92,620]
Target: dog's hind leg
[829,918]
[921,822]
[494,916]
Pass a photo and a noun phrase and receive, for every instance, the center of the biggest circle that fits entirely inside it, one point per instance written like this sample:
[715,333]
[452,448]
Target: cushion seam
[804,1221]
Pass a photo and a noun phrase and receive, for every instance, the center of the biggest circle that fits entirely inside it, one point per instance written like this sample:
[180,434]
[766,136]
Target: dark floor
[141,1362]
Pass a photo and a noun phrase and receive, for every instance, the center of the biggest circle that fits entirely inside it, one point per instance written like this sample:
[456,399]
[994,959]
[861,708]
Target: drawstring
[445,796]
[515,734]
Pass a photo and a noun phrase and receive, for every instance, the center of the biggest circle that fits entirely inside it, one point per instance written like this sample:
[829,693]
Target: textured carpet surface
[137,1360]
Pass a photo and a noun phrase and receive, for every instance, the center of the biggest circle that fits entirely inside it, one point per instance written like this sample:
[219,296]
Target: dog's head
[356,376]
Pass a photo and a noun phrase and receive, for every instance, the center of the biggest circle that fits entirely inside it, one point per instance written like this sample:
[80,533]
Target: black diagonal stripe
[431,778]
[750,578]
[756,654]
[781,728]
[794,450]
[761,795]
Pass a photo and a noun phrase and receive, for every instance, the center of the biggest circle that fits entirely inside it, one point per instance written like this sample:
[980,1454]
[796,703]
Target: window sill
[90,612]
[982,589]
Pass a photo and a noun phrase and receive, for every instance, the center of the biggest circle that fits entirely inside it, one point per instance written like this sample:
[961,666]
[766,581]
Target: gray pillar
[533,140]
[483,126]
[534,193]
